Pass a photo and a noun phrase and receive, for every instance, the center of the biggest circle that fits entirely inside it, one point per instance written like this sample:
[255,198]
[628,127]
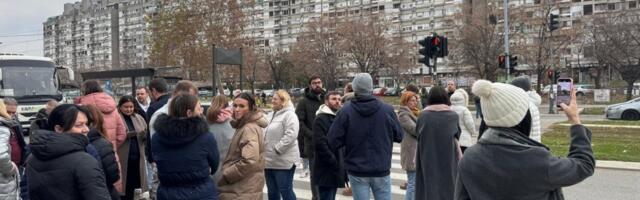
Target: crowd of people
[161,144]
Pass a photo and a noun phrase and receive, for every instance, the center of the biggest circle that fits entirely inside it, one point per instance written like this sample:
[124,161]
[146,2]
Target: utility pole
[505,8]
[115,37]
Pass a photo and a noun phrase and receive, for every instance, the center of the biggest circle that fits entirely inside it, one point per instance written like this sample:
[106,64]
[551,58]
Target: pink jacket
[116,130]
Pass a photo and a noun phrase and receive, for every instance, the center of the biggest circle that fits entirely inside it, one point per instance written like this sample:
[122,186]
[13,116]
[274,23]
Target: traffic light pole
[435,70]
[553,76]
[505,8]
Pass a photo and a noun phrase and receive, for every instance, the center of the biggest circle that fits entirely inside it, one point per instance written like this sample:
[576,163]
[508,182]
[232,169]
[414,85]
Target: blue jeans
[280,183]
[411,186]
[327,193]
[380,186]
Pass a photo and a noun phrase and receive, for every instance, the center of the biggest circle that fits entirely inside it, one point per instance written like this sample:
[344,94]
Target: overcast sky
[21,24]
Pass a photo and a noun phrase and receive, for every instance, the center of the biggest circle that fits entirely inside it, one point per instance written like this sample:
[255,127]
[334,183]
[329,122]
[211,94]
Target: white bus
[32,81]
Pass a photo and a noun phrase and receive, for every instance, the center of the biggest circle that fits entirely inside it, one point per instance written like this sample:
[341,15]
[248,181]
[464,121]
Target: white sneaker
[304,174]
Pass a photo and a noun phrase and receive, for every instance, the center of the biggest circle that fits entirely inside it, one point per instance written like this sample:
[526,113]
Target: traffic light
[444,49]
[501,61]
[513,62]
[425,51]
[553,22]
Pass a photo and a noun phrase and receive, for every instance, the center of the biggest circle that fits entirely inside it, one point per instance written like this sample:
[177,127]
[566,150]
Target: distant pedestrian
[98,139]
[242,175]
[348,93]
[64,148]
[507,164]
[451,87]
[438,151]
[329,164]
[367,162]
[476,100]
[459,101]
[524,84]
[408,113]
[42,115]
[113,124]
[306,111]
[19,148]
[131,153]
[142,97]
[8,170]
[424,94]
[219,120]
[281,147]
[184,151]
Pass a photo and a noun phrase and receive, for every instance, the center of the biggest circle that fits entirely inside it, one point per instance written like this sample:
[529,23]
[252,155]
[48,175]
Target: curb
[604,126]
[618,165]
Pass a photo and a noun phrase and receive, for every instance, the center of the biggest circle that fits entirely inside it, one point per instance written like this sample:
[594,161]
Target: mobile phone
[564,91]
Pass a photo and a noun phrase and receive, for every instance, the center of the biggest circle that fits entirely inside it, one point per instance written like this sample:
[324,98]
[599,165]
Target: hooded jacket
[372,127]
[8,170]
[505,164]
[409,143]
[59,168]
[281,144]
[306,111]
[116,130]
[243,168]
[536,133]
[465,119]
[329,164]
[185,154]
[107,160]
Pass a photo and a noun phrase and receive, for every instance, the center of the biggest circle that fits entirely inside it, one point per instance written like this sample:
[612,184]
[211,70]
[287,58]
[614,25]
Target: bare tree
[479,44]
[317,48]
[183,33]
[363,40]
[616,37]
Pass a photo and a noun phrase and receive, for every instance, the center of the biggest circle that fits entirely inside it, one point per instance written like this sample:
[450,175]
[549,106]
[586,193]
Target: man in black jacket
[306,111]
[329,173]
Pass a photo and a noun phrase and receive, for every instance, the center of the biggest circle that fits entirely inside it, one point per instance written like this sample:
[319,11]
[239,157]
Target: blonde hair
[218,103]
[3,110]
[284,95]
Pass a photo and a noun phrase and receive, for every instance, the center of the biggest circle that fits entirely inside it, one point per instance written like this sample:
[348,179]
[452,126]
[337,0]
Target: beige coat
[243,168]
[123,152]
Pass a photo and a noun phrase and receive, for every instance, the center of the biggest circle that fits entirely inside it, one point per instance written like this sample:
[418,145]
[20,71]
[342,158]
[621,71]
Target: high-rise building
[81,36]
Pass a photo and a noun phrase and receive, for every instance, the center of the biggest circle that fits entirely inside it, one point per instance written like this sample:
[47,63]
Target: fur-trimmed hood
[179,131]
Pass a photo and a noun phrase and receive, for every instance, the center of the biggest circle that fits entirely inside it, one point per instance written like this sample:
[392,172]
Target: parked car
[582,89]
[379,91]
[269,93]
[546,89]
[393,92]
[629,110]
[296,92]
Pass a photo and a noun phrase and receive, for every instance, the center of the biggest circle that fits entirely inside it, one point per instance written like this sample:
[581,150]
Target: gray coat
[8,171]
[506,164]
[281,144]
[437,160]
[222,132]
[410,140]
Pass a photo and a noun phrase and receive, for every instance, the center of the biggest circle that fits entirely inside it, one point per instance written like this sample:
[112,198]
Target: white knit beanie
[503,105]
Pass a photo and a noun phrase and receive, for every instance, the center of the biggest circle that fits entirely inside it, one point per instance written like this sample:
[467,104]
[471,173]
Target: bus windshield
[21,81]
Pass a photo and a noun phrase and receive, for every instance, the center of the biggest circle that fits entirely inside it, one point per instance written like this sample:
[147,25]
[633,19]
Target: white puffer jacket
[467,126]
[8,171]
[281,138]
[536,132]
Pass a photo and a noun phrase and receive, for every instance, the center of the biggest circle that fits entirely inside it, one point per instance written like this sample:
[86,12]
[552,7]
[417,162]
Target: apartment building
[81,37]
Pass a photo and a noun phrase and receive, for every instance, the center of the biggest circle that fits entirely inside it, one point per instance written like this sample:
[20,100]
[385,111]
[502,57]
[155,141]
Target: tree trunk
[629,89]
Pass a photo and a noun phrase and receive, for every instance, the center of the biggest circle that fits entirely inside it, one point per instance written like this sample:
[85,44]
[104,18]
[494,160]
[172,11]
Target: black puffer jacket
[108,160]
[306,111]
[59,168]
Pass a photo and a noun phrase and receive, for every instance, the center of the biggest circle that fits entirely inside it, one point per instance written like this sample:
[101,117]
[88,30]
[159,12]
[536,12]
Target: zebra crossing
[398,176]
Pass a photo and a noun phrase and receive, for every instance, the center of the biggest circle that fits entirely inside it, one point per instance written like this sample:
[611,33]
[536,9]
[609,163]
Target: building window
[612,6]
[271,14]
[587,9]
[381,8]
[633,4]
[396,5]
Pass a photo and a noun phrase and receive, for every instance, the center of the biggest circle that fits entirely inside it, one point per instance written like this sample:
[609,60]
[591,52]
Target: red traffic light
[435,41]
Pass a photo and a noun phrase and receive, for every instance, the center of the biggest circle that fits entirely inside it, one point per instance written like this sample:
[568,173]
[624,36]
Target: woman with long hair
[281,147]
[186,154]
[60,166]
[408,113]
[438,151]
[131,152]
[219,120]
[99,140]
[242,175]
